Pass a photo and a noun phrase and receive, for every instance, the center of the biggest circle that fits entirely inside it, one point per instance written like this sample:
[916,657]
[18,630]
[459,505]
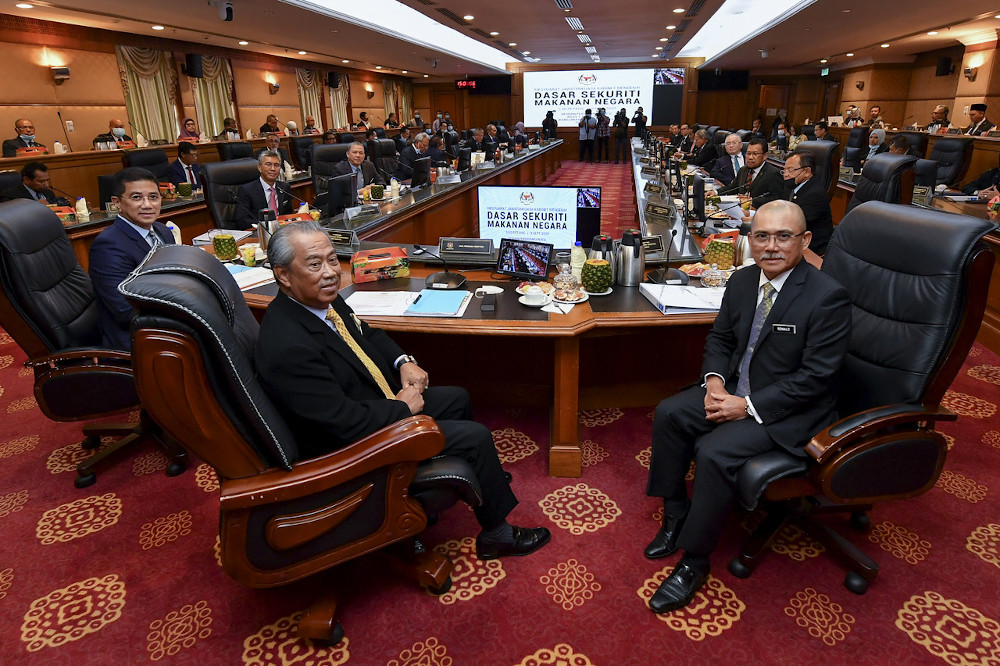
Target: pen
[417,298]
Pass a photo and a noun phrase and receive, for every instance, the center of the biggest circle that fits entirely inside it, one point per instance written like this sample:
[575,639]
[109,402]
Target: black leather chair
[283,518]
[712,129]
[743,134]
[385,158]
[856,147]
[809,131]
[886,177]
[925,172]
[953,155]
[827,154]
[718,139]
[222,182]
[235,150]
[9,180]
[324,158]
[347,137]
[153,159]
[908,342]
[47,305]
[302,147]
[380,132]
[918,142]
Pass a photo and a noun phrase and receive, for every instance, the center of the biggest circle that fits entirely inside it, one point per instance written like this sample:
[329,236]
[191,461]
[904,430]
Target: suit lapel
[789,292]
[139,243]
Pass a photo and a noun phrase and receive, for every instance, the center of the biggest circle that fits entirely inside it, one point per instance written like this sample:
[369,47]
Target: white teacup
[534,295]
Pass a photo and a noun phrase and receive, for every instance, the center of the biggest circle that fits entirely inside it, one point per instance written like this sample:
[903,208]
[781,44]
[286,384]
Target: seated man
[979,124]
[25,138]
[900,145]
[725,168]
[273,143]
[986,186]
[675,137]
[35,186]
[702,152]
[758,181]
[122,246]
[762,390]
[939,123]
[310,126]
[335,380]
[435,151]
[364,171]
[410,154]
[330,136]
[875,116]
[230,130]
[270,125]
[402,140]
[265,192]
[477,143]
[115,134]
[822,132]
[802,188]
[185,168]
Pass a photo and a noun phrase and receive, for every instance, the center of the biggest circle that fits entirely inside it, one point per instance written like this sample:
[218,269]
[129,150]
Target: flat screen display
[555,215]
[569,93]
[524,259]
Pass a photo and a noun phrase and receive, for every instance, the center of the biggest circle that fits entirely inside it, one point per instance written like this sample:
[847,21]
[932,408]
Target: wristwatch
[405,359]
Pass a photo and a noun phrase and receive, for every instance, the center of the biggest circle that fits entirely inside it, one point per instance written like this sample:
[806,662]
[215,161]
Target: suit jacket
[722,169]
[480,146]
[815,204]
[325,393]
[250,199]
[10,146]
[438,156]
[109,137]
[767,186]
[704,156]
[981,130]
[986,179]
[21,192]
[179,175]
[400,142]
[793,374]
[369,173]
[406,159]
[114,254]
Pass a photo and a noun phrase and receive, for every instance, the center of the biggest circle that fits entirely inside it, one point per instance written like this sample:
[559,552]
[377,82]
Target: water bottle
[577,259]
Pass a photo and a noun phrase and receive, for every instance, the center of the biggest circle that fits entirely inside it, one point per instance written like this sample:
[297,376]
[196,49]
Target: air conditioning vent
[453,16]
[696,7]
[564,4]
[574,23]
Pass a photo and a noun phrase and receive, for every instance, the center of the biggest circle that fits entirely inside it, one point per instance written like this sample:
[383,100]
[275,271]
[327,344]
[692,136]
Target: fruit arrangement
[184,189]
[719,251]
[167,191]
[377,191]
[224,246]
[596,276]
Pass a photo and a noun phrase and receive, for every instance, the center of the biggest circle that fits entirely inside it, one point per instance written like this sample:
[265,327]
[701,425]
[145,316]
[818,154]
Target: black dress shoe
[665,541]
[526,541]
[678,589]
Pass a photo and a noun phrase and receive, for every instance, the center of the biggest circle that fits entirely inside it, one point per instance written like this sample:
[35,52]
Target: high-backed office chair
[47,305]
[908,342]
[856,147]
[886,177]
[743,134]
[380,132]
[385,158]
[301,149]
[153,159]
[9,180]
[827,154]
[466,134]
[953,155]
[718,139]
[235,150]
[283,518]
[925,172]
[222,182]
[809,131]
[324,158]
[712,129]
[346,137]
[918,142]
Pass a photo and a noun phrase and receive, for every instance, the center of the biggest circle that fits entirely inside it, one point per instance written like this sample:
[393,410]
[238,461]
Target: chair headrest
[883,166]
[330,152]
[386,148]
[231,172]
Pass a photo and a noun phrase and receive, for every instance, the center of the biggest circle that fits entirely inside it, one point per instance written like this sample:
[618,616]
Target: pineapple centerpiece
[596,276]
[377,191]
[721,252]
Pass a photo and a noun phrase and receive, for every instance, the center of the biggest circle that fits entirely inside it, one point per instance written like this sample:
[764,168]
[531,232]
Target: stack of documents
[676,299]
[248,278]
[428,303]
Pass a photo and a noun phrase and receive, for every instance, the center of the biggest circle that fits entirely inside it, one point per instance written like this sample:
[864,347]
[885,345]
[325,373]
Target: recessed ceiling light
[846,11]
[526,52]
[405,72]
[511,43]
[663,39]
[345,61]
[659,48]
[302,52]
[848,54]
[567,10]
[671,27]
[494,33]
[24,5]
[932,32]
[243,42]
[679,10]
[469,17]
[155,27]
[824,60]
[426,75]
[884,46]
[378,66]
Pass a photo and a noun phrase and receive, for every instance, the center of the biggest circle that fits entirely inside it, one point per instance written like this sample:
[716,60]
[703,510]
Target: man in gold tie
[335,380]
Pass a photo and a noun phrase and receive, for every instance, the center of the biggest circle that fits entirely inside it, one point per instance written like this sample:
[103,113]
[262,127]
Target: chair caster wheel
[84,480]
[856,583]
[90,442]
[337,634]
[438,591]
[175,468]
[739,569]
[860,521]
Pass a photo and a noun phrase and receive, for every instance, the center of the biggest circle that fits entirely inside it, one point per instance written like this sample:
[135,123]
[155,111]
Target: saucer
[548,299]
[598,293]
[573,302]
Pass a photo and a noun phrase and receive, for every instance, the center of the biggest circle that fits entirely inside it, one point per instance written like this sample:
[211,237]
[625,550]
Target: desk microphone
[138,131]
[71,197]
[442,279]
[668,275]
[65,133]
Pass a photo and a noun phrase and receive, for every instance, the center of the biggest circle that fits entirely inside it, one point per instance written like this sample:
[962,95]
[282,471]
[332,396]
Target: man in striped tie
[335,380]
[769,381]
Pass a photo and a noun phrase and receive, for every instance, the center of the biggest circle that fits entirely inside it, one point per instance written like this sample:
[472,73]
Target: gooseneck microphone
[65,133]
[71,196]
[442,279]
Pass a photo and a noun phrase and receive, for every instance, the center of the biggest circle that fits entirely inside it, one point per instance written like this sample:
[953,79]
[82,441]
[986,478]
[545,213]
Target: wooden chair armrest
[411,440]
[863,424]
[73,356]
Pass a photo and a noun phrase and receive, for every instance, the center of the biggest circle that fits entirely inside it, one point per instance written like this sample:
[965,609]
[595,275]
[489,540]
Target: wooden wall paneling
[422,101]
[724,108]
[256,101]
[927,90]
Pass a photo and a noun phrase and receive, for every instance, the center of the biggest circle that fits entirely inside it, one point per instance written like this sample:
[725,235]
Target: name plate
[652,244]
[653,187]
[846,173]
[342,237]
[955,130]
[658,211]
[911,128]
[362,212]
[993,133]
[483,246]
[649,170]
[922,194]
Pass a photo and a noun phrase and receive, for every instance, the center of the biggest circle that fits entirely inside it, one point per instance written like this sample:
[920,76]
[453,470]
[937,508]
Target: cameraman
[621,137]
[588,129]
[639,121]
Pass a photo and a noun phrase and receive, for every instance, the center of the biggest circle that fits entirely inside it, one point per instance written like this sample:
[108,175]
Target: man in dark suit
[769,382]
[979,125]
[335,380]
[265,192]
[409,155]
[402,139]
[757,180]
[822,132]
[725,168]
[803,189]
[35,186]
[25,138]
[273,142]
[115,134]
[477,143]
[702,153]
[271,125]
[122,246]
[230,130]
[364,171]
[185,168]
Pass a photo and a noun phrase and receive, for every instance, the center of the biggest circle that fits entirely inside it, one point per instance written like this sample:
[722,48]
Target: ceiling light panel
[574,23]
[585,38]
[737,22]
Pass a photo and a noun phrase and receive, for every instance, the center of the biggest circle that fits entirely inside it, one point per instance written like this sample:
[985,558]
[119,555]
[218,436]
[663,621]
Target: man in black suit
[230,130]
[757,180]
[122,246]
[477,143]
[725,168]
[802,188]
[821,131]
[702,152]
[675,138]
[420,144]
[115,134]
[363,170]
[687,139]
[273,142]
[335,380]
[402,139]
[35,186]
[271,125]
[769,382]
[185,168]
[979,125]
[265,192]
[25,138]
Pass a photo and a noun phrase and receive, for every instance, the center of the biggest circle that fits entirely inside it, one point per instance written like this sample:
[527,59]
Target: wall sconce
[970,73]
[273,87]
[59,74]
[369,91]
[860,85]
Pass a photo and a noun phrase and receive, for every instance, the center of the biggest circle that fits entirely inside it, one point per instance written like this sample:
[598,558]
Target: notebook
[440,303]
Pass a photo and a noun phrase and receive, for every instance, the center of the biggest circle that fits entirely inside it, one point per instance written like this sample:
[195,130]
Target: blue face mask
[27,137]
[119,132]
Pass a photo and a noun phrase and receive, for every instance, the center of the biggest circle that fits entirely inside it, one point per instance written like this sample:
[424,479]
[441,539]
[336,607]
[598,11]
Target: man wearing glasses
[811,196]
[769,382]
[756,180]
[25,138]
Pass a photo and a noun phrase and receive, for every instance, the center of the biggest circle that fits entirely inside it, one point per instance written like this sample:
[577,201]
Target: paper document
[381,303]
[677,299]
[248,278]
[440,303]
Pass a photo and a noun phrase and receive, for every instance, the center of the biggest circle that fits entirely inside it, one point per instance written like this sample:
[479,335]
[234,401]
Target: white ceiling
[621,32]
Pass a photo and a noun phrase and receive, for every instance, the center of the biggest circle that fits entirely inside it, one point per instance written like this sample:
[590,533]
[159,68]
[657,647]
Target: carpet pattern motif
[618,208]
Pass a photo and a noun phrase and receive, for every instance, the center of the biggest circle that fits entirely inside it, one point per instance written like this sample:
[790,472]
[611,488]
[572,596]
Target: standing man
[757,182]
[122,246]
[25,138]
[802,188]
[185,168]
[588,130]
[35,186]
[355,163]
[980,125]
[335,380]
[762,389]
[622,148]
[265,192]
[639,120]
[603,136]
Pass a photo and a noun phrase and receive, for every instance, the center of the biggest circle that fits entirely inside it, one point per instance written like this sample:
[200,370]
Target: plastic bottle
[175,231]
[82,211]
[577,258]
[394,188]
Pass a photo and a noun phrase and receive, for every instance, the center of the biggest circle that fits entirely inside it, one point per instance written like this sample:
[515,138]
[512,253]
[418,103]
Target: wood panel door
[773,98]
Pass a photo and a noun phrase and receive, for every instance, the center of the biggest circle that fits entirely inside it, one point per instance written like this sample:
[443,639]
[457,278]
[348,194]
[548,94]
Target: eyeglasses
[792,170]
[781,238]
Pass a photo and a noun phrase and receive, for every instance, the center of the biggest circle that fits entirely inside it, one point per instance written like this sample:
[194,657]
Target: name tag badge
[788,329]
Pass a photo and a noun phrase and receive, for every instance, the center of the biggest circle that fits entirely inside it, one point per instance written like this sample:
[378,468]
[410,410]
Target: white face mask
[439,116]
[119,132]
[781,132]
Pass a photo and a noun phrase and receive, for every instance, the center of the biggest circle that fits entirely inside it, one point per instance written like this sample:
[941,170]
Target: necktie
[736,166]
[749,178]
[271,201]
[743,385]
[191,175]
[365,359]
[153,239]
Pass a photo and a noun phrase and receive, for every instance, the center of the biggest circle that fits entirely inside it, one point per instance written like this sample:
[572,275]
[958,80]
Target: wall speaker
[192,65]
[333,79]
[944,67]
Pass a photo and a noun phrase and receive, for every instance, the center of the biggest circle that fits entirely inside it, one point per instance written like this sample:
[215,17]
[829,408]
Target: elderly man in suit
[35,186]
[769,382]
[409,155]
[364,171]
[273,142]
[757,181]
[122,246]
[335,380]
[25,138]
[265,192]
[727,165]
[185,168]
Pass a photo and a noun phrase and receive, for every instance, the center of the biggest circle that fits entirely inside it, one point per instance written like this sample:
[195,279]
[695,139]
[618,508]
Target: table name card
[483,246]
[653,244]
[342,237]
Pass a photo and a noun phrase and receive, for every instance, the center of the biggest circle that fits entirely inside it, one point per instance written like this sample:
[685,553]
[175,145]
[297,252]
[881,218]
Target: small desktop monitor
[464,159]
[340,194]
[421,172]
[697,199]
[525,260]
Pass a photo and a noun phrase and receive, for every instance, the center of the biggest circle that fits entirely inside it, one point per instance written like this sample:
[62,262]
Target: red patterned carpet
[126,571]
[618,210]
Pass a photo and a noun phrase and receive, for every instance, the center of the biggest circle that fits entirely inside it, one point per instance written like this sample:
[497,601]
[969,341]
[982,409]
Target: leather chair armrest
[75,356]
[449,475]
[411,440]
[863,424]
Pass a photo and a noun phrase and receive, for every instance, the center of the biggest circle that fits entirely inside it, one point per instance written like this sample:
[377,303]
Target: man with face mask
[417,120]
[438,121]
[803,189]
[115,134]
[603,136]
[25,138]
[588,129]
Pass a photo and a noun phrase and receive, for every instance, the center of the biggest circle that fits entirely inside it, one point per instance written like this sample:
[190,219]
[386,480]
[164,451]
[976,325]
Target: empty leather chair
[385,158]
[743,134]
[47,306]
[380,132]
[918,142]
[153,159]
[302,147]
[222,182]
[9,180]
[718,139]
[235,150]
[856,147]
[917,280]
[282,518]
[827,155]
[925,172]
[886,177]
[324,158]
[953,155]
[347,137]
[712,129]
